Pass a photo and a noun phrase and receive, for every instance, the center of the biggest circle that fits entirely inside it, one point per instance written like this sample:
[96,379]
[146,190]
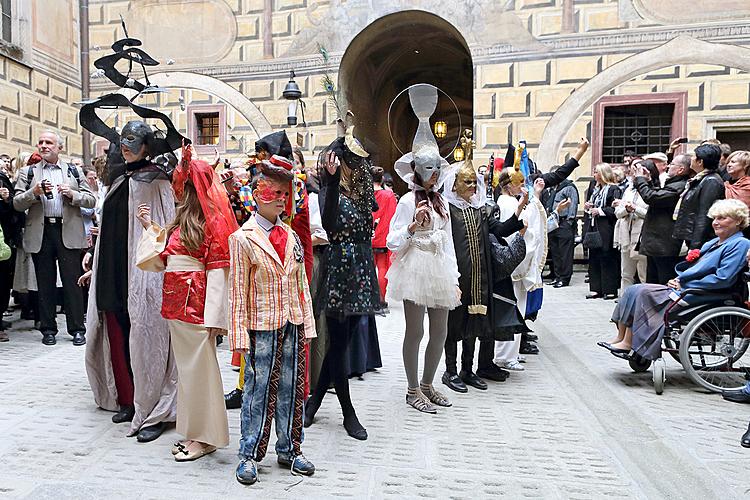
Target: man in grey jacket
[53,192]
[562,239]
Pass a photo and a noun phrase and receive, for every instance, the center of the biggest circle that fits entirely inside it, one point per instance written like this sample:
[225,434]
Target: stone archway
[680,50]
[222,90]
[389,55]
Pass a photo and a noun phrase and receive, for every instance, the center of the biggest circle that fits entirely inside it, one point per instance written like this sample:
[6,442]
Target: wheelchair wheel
[713,348]
[659,375]
[639,364]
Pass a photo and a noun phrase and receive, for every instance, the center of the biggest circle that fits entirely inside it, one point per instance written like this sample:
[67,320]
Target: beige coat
[629,225]
[73,233]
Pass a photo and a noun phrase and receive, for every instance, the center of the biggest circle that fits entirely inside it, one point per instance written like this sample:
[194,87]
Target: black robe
[472,244]
[112,284]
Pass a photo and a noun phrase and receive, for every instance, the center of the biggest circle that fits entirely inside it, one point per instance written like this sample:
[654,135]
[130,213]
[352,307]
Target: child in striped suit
[271,320]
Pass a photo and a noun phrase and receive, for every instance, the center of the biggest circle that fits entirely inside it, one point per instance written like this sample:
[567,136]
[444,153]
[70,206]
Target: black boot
[150,433]
[125,414]
[233,400]
[746,438]
[311,408]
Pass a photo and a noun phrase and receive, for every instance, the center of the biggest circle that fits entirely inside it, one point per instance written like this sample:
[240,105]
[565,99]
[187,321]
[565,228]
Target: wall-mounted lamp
[292,93]
[458,154]
[441,129]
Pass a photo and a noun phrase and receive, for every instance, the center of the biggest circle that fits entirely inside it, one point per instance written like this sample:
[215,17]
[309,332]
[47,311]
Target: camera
[47,188]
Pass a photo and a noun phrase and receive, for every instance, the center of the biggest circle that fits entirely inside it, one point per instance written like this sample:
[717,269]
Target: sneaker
[300,465]
[247,471]
[513,365]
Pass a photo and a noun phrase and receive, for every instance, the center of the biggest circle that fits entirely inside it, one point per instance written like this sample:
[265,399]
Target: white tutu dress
[424,269]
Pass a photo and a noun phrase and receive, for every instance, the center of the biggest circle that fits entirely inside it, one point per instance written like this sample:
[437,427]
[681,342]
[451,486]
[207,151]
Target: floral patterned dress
[350,283]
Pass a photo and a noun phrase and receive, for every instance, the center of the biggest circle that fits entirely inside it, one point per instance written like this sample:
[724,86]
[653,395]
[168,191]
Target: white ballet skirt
[424,272]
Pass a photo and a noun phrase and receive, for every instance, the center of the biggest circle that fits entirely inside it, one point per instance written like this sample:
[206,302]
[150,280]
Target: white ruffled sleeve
[398,234]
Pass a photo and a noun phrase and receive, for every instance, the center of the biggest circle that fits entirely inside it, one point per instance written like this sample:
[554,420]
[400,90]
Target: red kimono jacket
[184,292]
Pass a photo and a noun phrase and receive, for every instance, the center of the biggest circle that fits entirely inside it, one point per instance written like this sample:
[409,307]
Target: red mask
[268,191]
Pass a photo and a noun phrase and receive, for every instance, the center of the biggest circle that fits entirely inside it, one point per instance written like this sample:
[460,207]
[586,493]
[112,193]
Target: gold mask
[466,183]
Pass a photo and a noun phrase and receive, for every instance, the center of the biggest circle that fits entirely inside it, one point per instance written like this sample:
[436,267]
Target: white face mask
[427,162]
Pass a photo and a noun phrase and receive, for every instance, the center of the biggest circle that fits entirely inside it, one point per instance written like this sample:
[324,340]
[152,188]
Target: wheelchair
[709,337]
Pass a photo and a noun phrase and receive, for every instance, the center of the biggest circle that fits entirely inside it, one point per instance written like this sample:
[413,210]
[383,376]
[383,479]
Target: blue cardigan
[718,265]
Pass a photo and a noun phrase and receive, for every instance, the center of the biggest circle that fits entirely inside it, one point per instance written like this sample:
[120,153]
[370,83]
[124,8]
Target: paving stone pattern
[576,424]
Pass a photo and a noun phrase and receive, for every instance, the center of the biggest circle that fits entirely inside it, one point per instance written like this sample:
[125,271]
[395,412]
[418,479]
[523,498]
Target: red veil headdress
[220,220]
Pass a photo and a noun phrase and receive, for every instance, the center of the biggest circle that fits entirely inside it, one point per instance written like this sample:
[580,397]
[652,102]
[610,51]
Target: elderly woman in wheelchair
[643,313]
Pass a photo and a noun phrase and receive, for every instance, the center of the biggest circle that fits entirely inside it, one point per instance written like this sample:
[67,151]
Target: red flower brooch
[693,255]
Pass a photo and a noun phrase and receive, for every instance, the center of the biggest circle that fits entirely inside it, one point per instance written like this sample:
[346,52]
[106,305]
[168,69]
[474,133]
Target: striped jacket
[265,294]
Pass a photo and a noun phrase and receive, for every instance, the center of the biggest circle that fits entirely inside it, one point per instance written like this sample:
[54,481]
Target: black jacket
[10,220]
[605,224]
[693,224]
[656,235]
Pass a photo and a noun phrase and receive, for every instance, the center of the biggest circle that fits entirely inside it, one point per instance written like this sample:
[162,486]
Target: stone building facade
[40,78]
[544,71]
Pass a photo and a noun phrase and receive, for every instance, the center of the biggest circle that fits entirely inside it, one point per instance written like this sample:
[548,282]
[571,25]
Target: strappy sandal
[416,399]
[179,446]
[186,455]
[434,395]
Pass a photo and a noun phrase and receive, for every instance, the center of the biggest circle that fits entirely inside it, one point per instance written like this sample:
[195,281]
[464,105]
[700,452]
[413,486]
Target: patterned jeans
[274,388]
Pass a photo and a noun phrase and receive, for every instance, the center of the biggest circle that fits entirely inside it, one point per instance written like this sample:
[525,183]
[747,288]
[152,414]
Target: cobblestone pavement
[576,424]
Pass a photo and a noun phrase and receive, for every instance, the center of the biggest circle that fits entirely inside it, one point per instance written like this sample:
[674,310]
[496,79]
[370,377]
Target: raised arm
[552,179]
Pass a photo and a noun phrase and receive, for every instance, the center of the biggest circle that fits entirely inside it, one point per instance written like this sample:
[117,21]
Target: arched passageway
[397,51]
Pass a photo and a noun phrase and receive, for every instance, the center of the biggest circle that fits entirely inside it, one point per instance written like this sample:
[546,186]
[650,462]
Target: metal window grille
[208,129]
[643,128]
[6,22]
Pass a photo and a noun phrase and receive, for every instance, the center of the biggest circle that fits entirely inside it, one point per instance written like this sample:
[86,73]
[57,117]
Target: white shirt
[316,223]
[265,224]
[55,175]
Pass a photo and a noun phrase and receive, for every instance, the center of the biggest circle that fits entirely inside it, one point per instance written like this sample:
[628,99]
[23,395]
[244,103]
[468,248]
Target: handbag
[592,239]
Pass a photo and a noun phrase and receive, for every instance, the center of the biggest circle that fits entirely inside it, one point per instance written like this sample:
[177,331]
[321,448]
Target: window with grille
[644,128]
[207,126]
[6,21]
[643,123]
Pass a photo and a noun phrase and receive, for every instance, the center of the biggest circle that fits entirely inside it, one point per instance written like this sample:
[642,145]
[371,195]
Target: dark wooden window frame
[192,127]
[679,117]
[6,21]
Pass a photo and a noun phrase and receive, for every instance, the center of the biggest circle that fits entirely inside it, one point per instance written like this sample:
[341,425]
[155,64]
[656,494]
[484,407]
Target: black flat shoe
[610,296]
[622,355]
[528,348]
[454,383]
[125,414]
[736,396]
[745,442]
[150,433]
[593,295]
[529,337]
[496,374]
[233,400]
[79,339]
[471,379]
[605,345]
[49,339]
[354,428]
[614,349]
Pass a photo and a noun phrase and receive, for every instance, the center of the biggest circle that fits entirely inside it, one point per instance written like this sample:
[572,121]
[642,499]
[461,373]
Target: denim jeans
[274,389]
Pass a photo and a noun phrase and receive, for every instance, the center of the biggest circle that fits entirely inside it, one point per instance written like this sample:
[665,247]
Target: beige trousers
[201,415]
[629,267]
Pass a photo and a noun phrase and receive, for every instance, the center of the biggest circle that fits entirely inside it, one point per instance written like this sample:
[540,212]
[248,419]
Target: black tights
[334,366]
